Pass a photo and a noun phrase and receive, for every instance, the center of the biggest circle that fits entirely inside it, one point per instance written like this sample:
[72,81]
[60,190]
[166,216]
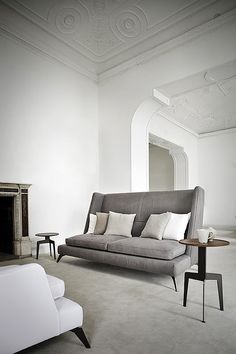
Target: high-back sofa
[146,254]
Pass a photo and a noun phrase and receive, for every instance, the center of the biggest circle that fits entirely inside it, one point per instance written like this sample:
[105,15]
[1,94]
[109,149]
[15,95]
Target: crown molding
[34,31]
[218,132]
[88,11]
[167,46]
[172,120]
[26,33]
[197,135]
[51,56]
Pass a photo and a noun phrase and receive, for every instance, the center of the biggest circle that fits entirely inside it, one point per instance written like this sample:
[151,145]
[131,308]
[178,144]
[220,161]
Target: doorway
[161,169]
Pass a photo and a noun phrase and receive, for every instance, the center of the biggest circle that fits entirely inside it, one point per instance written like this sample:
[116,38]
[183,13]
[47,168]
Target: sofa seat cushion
[147,247]
[97,242]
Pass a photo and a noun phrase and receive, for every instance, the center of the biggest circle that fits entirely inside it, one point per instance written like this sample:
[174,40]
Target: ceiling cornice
[28,28]
[188,36]
[105,18]
[196,135]
[47,54]
[25,32]
[218,132]
[174,121]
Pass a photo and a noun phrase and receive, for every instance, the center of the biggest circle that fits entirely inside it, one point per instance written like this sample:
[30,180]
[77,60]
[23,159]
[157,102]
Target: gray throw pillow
[101,223]
[156,225]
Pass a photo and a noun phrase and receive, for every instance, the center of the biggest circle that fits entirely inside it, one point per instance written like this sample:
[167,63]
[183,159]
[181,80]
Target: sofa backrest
[145,203]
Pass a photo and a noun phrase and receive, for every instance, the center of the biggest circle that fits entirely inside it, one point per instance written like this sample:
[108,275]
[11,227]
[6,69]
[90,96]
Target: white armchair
[33,309]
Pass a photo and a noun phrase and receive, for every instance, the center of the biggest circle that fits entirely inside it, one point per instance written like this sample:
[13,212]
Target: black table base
[203,276]
[47,240]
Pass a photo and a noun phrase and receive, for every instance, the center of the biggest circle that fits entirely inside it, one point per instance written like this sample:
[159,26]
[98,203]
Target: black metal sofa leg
[174,281]
[59,257]
[80,334]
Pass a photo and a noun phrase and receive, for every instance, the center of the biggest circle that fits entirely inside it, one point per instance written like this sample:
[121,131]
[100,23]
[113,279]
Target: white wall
[161,169]
[217,173]
[48,137]
[120,96]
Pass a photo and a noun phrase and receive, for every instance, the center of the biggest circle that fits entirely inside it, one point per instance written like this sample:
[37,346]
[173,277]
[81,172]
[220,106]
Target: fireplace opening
[14,228]
[6,225]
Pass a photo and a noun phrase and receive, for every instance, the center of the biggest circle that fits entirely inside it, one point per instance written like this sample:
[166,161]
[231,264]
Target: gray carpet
[131,312]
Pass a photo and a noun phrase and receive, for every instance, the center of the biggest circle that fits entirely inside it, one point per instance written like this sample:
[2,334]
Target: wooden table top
[194,242]
[47,234]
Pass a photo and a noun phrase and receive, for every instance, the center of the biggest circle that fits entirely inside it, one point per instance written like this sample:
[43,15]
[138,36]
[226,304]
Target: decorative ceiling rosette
[68,17]
[129,24]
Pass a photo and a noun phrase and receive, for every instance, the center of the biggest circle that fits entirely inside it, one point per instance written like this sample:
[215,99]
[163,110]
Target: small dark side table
[201,274]
[47,236]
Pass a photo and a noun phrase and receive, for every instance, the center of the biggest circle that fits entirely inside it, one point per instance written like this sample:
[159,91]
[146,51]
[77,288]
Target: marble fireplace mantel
[21,240]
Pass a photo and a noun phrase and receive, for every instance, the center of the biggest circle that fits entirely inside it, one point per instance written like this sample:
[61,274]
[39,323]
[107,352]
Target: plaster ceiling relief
[100,27]
[101,35]
[209,104]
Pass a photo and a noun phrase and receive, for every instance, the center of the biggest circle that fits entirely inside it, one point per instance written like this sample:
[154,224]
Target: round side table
[201,274]
[47,236]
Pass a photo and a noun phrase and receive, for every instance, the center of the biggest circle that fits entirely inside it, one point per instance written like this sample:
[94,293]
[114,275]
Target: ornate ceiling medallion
[68,17]
[68,20]
[129,24]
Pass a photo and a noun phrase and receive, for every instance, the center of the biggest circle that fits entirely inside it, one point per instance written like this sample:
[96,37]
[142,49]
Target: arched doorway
[179,158]
[140,149]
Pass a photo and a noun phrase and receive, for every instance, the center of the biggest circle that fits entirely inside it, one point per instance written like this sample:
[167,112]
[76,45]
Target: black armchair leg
[80,334]
[174,281]
[59,257]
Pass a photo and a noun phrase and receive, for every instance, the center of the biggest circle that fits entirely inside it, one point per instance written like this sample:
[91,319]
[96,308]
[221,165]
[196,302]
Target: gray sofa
[146,254]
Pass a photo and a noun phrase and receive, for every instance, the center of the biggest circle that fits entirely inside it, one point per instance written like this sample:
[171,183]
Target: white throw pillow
[156,225]
[120,224]
[92,223]
[176,226]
